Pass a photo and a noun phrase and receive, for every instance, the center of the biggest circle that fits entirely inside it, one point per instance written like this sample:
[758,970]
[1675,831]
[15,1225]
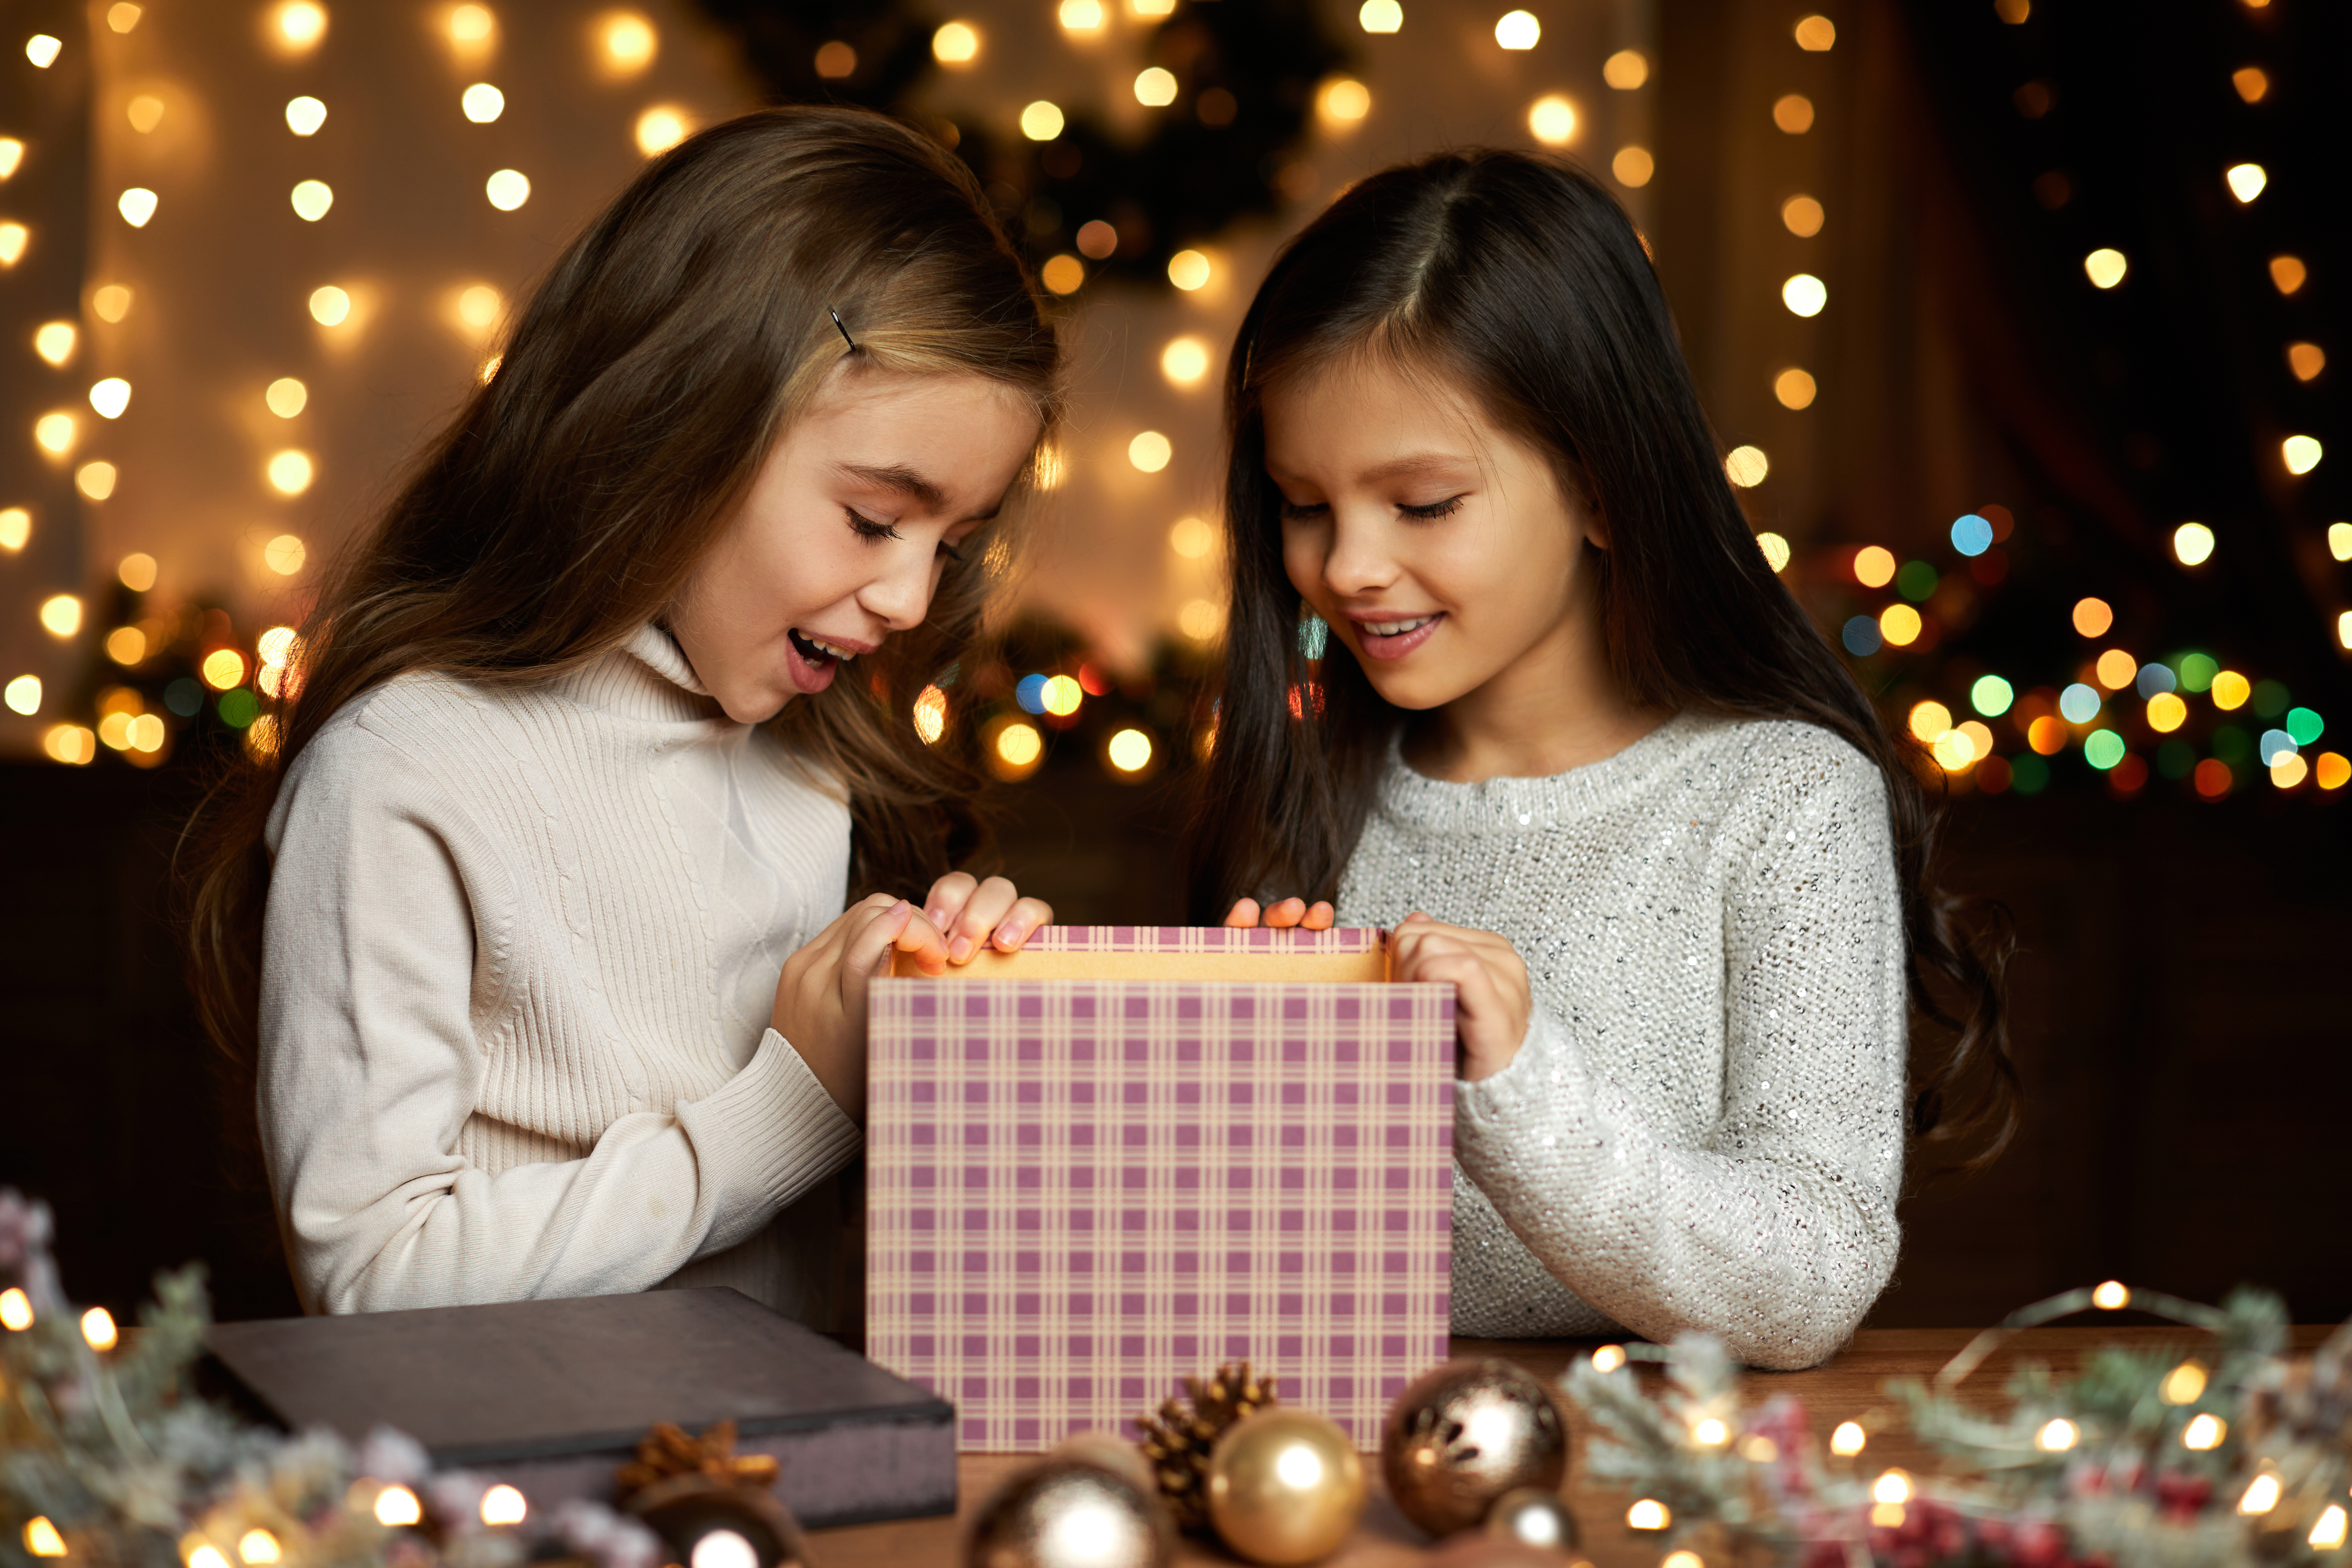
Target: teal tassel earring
[1314,634]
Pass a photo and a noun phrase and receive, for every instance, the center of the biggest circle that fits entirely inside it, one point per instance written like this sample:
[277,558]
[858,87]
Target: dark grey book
[552,1395]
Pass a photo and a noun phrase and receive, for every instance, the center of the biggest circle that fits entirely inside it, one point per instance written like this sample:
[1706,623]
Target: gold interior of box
[1291,968]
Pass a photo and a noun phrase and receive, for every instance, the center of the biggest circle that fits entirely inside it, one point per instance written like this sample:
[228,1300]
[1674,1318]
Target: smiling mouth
[1395,628]
[818,653]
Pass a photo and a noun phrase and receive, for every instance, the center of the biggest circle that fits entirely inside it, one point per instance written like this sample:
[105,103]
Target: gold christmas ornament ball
[1533,1517]
[1069,1513]
[1460,1436]
[1108,1451]
[1285,1486]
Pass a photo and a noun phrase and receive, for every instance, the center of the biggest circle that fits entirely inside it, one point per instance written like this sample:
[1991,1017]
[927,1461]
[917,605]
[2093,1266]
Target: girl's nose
[900,597]
[1359,561]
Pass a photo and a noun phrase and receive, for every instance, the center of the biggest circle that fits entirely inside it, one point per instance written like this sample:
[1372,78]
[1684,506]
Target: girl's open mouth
[813,660]
[1397,637]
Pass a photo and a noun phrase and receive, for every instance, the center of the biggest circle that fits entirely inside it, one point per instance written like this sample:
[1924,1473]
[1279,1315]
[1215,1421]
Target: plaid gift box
[1125,1154]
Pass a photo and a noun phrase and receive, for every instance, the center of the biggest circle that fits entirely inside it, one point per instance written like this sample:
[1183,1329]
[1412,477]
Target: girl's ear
[1596,528]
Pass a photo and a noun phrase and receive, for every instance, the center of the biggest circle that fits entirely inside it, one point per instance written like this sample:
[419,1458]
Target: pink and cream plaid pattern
[1080,1190]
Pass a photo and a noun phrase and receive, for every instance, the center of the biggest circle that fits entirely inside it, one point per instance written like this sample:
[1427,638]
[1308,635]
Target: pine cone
[1176,1442]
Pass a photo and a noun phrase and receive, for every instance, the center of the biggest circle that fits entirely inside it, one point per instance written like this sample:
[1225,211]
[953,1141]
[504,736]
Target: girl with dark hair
[530,933]
[1506,671]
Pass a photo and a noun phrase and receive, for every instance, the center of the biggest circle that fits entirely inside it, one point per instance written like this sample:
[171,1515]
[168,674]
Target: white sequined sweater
[517,968]
[1703,1128]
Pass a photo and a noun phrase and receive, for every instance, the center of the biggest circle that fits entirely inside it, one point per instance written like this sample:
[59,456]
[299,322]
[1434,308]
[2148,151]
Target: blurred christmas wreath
[1230,92]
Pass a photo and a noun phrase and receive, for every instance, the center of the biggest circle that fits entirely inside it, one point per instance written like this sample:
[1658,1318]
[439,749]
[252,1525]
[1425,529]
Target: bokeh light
[110,302]
[1016,749]
[1747,466]
[136,572]
[2288,273]
[1991,696]
[1185,361]
[1775,548]
[625,43]
[1930,720]
[1380,16]
[1201,619]
[1518,30]
[285,555]
[2117,669]
[1189,270]
[289,471]
[2247,181]
[931,715]
[503,1505]
[1971,535]
[23,695]
[1794,388]
[1625,70]
[2103,748]
[2079,703]
[1149,451]
[1802,217]
[1130,750]
[2305,361]
[659,128]
[304,115]
[54,341]
[1793,113]
[2333,770]
[1816,34]
[482,103]
[1633,166]
[329,306]
[55,433]
[2302,454]
[1155,86]
[126,645]
[2167,712]
[1861,636]
[2105,268]
[2231,690]
[1042,121]
[222,668]
[312,200]
[61,616]
[136,205]
[1873,566]
[1061,695]
[1342,101]
[1899,624]
[69,744]
[1192,538]
[97,480]
[507,189]
[1552,120]
[110,398]
[2192,543]
[2092,616]
[286,397]
[1804,294]
[956,45]
[298,25]
[1080,16]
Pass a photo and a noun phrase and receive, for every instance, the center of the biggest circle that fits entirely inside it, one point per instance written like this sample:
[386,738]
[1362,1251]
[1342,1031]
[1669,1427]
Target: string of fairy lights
[194,656]
[2125,714]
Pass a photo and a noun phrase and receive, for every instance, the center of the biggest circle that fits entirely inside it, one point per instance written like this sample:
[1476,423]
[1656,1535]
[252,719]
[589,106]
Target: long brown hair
[1520,278]
[568,501]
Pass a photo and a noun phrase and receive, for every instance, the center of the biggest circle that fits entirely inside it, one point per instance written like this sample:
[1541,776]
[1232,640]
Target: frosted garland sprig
[2147,1459]
[106,1457]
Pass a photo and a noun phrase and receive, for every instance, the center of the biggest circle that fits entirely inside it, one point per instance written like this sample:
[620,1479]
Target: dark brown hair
[570,499]
[1521,279]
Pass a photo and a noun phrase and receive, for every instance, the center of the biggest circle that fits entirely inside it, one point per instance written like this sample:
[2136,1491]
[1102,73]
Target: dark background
[2179,995]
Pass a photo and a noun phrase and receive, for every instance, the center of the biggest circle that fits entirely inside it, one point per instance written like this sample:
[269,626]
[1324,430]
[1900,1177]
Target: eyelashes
[1291,512]
[873,532]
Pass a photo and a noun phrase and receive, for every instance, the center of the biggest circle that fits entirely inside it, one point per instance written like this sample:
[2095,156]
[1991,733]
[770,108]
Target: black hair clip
[842,330]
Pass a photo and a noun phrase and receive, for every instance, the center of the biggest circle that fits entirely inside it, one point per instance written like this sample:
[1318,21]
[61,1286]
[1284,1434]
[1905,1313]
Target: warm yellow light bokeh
[1625,70]
[136,572]
[1062,274]
[1873,566]
[55,341]
[110,302]
[1189,270]
[1804,294]
[2288,273]
[1063,696]
[1042,121]
[1201,619]
[661,128]
[312,199]
[1192,538]
[2301,453]
[2167,712]
[2115,670]
[1080,16]
[304,115]
[329,306]
[2091,617]
[1342,101]
[1929,720]
[1794,388]
[2105,267]
[2247,182]
[478,306]
[55,433]
[1633,166]
[1802,217]
[137,206]
[396,1507]
[2307,361]
[1518,30]
[285,555]
[1899,624]
[289,472]
[286,397]
[109,397]
[145,113]
[507,189]
[1775,548]
[1130,750]
[23,695]
[1793,113]
[835,61]
[1552,120]
[956,45]
[299,26]
[61,616]
[1380,16]
[97,480]
[1745,466]
[1185,361]
[72,744]
[2192,544]
[2339,540]
[15,528]
[930,715]
[2229,690]
[625,43]
[126,645]
[222,668]
[1155,86]
[1816,34]
[13,239]
[123,16]
[503,1505]
[482,103]
[1151,451]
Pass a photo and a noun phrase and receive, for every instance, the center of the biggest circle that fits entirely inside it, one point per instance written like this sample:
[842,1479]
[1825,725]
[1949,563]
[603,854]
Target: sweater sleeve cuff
[771,1132]
[1525,1094]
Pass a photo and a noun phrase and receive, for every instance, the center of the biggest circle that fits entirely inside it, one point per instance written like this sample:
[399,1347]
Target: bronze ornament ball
[1069,1513]
[1285,1485]
[1533,1517]
[1459,1437]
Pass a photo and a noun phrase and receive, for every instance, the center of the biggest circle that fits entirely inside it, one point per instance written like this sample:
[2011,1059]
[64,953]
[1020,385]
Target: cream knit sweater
[1703,1128]
[519,955]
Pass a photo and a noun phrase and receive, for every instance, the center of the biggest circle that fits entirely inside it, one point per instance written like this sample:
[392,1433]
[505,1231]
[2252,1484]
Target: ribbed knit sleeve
[396,953]
[1703,1129]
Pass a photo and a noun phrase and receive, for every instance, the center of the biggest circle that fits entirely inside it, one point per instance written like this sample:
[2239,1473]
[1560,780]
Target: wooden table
[1847,1386]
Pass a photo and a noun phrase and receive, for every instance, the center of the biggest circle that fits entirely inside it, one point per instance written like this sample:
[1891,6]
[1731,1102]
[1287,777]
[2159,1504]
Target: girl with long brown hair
[533,928]
[1507,670]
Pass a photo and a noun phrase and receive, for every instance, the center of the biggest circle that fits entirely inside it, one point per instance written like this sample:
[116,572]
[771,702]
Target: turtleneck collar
[645,677]
[1505,805]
